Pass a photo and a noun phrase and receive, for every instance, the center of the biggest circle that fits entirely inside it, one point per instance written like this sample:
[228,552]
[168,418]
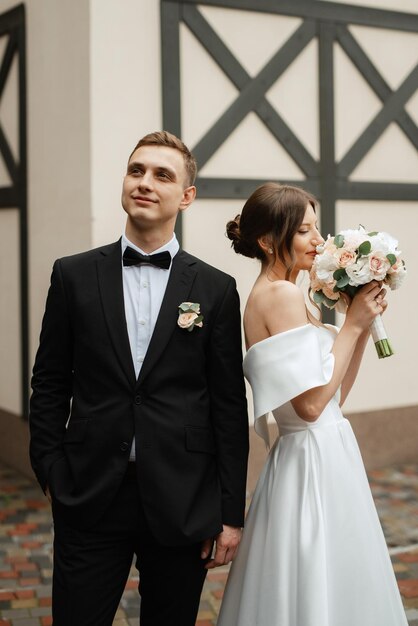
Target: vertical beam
[170,17]
[328,170]
[23,214]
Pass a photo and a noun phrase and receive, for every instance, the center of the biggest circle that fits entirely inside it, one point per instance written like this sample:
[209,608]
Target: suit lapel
[109,271]
[178,288]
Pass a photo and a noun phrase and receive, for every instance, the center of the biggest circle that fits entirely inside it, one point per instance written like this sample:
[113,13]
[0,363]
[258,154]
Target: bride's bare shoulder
[275,307]
[275,293]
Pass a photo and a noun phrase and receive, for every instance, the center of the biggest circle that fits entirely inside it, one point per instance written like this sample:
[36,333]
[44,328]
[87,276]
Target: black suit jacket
[187,409]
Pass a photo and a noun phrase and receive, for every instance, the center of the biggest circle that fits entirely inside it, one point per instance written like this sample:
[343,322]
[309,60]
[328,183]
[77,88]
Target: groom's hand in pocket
[226,544]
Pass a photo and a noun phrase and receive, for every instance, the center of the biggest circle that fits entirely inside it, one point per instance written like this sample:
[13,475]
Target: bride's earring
[270,250]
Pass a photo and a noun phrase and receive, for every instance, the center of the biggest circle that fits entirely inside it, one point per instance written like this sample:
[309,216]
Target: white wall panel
[356,104]
[252,37]
[251,151]
[393,158]
[297,99]
[10,399]
[390,382]
[205,89]
[125,100]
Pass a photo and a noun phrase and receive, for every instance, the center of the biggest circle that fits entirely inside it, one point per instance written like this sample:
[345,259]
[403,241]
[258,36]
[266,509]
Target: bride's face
[306,240]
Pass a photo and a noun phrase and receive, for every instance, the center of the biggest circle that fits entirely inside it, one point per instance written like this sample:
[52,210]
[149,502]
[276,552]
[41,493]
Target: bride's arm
[356,359]
[285,309]
[354,366]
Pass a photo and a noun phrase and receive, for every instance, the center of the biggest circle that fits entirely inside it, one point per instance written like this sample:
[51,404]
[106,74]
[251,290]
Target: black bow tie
[132,257]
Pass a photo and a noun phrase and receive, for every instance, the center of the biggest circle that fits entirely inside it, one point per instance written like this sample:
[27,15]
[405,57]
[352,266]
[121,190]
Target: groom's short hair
[164,138]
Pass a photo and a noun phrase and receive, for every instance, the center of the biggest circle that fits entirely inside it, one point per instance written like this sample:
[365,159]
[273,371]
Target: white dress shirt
[143,291]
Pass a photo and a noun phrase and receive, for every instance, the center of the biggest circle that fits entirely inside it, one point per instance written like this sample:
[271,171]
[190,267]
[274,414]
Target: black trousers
[91,568]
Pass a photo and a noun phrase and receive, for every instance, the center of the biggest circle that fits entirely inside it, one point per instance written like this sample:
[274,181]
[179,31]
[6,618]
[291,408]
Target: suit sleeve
[229,406]
[51,381]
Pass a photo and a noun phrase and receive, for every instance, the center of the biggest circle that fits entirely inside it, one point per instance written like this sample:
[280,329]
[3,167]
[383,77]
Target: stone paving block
[9,583]
[43,562]
[32,621]
[43,592]
[24,593]
[410,603]
[40,612]
[409,588]
[24,604]
[6,596]
[15,613]
[29,582]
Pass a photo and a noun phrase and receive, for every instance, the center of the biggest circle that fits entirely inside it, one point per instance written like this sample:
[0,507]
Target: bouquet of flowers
[351,259]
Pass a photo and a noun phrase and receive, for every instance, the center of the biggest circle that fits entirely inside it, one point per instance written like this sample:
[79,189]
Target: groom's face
[155,187]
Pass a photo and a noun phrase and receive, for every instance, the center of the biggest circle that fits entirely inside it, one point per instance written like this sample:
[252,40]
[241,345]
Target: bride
[313,552]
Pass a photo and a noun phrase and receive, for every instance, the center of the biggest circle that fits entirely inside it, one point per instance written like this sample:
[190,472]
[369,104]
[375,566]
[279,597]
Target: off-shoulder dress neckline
[326,327]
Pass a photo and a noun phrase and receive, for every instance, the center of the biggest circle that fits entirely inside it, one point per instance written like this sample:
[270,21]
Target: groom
[138,414]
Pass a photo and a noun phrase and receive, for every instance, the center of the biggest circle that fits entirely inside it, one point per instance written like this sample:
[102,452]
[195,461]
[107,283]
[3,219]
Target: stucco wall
[94,87]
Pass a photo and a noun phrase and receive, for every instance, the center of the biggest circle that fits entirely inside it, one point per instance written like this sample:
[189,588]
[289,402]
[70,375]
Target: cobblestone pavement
[26,547]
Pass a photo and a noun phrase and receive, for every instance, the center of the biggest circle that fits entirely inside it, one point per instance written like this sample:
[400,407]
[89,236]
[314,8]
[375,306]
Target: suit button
[124,446]
[138,399]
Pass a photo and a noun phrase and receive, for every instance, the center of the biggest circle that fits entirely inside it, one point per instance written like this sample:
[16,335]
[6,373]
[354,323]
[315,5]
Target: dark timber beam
[371,75]
[328,22]
[253,92]
[388,113]
[333,12]
[218,50]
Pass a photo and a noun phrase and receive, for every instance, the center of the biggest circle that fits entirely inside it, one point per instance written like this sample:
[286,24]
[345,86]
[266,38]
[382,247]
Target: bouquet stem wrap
[380,338]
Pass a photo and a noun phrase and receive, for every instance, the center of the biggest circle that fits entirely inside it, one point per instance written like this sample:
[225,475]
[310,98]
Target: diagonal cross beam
[5,150]
[8,157]
[228,63]
[252,92]
[392,107]
[6,63]
[375,80]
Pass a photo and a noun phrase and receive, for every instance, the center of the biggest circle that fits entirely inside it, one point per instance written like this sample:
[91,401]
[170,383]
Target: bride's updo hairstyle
[274,211]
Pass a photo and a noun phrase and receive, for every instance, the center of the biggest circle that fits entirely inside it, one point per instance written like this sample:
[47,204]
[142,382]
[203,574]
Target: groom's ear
[189,194]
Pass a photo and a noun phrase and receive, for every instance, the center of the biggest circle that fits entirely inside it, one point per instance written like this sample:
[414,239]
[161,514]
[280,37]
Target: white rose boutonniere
[189,315]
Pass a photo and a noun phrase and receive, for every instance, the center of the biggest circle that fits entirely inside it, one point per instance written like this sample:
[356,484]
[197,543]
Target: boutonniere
[189,315]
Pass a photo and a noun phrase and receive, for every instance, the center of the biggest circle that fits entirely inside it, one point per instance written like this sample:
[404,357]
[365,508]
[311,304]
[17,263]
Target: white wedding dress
[313,551]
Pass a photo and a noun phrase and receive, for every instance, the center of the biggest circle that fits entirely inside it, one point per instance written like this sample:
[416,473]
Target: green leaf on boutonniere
[189,307]
[391,258]
[339,241]
[373,233]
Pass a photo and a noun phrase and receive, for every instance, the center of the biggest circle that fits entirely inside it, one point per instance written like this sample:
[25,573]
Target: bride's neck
[277,271]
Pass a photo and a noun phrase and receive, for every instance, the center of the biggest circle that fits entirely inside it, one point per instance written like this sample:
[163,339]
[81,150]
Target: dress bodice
[285,365]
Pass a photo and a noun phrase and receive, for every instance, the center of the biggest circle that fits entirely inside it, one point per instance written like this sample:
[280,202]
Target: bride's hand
[368,303]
